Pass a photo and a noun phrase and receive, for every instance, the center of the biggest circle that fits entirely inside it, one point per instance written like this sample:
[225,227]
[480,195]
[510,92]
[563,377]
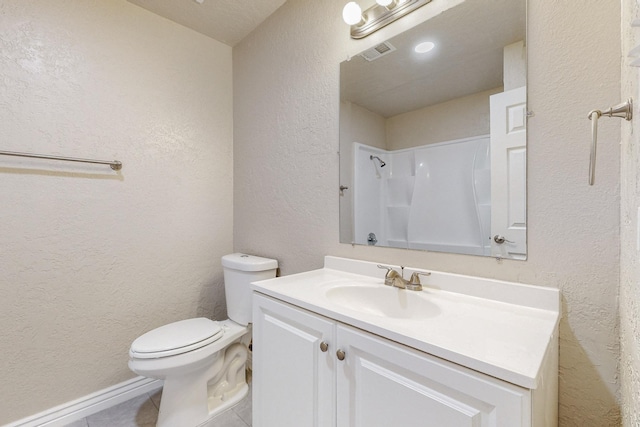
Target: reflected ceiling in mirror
[443,123]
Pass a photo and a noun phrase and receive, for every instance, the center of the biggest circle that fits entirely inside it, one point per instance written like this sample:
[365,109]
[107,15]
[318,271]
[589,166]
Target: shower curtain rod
[114,164]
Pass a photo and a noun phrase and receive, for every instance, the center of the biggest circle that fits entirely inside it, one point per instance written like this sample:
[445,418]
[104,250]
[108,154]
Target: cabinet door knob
[340,354]
[324,346]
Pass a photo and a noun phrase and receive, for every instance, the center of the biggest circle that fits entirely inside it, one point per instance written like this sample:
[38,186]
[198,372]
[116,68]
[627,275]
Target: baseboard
[95,402]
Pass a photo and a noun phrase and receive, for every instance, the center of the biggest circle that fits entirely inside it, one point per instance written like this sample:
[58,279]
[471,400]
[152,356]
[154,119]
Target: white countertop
[505,335]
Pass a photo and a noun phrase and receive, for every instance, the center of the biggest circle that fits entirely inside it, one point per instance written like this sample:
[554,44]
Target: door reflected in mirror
[433,141]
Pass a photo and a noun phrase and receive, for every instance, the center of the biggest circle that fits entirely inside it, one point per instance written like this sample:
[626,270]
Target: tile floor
[142,411]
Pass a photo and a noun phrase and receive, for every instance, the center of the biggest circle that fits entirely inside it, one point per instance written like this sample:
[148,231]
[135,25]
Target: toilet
[202,361]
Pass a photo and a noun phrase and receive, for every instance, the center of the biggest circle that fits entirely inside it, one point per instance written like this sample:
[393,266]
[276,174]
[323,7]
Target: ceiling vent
[378,51]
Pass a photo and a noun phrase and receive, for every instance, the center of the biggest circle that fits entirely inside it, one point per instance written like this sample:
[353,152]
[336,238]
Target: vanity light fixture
[389,4]
[383,13]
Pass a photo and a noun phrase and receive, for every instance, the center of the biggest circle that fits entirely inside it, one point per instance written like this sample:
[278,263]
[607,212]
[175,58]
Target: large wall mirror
[433,144]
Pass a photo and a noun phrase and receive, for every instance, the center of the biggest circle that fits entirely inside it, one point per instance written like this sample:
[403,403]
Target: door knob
[500,239]
[340,354]
[324,347]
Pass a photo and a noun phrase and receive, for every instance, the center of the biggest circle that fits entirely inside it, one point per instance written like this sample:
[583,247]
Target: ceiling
[467,59]
[227,21]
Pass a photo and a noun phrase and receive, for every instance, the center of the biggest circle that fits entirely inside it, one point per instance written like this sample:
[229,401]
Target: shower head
[371,157]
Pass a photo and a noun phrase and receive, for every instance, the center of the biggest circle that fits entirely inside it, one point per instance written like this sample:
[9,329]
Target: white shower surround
[433,197]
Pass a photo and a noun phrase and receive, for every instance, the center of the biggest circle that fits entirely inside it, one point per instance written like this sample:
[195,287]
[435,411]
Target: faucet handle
[390,276]
[385,267]
[391,273]
[414,283]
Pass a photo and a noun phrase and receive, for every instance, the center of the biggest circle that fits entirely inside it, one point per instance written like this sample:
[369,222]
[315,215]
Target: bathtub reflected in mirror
[433,145]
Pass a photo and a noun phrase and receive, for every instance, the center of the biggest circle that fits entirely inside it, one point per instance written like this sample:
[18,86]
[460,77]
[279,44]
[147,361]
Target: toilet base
[200,384]
[195,398]
[223,406]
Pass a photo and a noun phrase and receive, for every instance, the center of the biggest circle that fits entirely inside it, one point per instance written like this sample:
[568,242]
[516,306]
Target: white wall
[361,125]
[286,108]
[357,124]
[514,66]
[459,118]
[629,216]
[91,258]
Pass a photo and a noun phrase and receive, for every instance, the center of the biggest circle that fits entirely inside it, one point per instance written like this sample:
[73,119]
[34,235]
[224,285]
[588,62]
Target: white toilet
[201,361]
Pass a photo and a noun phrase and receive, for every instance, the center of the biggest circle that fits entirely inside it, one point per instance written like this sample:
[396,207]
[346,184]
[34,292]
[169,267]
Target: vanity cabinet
[293,382]
[310,370]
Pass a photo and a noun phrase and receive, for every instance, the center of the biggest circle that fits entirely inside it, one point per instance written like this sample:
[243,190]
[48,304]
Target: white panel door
[508,174]
[383,384]
[293,378]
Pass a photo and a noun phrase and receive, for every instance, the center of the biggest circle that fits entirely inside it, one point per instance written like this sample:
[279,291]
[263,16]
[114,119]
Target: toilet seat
[176,338]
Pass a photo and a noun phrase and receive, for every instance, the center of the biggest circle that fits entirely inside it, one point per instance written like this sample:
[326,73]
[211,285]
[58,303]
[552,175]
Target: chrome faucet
[397,280]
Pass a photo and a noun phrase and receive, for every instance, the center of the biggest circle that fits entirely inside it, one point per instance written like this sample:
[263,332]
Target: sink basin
[383,301]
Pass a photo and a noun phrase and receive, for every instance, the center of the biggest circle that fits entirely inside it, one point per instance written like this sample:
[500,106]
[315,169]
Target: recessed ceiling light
[424,47]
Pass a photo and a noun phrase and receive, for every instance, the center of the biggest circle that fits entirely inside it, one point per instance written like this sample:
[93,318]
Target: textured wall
[91,258]
[630,202]
[286,103]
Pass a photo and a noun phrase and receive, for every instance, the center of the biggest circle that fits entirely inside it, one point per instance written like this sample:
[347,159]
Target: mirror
[433,145]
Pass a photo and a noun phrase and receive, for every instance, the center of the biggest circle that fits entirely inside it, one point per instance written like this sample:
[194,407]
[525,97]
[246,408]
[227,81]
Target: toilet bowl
[201,361]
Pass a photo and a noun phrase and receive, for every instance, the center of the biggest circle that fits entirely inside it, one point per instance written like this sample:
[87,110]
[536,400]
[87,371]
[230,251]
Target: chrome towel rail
[623,111]
[115,164]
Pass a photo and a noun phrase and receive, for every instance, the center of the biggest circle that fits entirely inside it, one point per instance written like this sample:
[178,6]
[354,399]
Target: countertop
[505,339]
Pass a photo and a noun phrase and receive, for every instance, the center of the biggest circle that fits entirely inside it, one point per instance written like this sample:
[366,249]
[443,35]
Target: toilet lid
[176,338]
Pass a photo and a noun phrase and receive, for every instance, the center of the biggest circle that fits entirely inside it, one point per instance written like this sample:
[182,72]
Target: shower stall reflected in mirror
[433,197]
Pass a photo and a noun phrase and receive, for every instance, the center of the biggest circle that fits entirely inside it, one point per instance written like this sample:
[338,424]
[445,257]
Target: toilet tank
[239,271]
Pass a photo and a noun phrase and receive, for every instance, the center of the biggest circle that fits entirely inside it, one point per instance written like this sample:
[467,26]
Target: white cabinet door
[293,378]
[382,384]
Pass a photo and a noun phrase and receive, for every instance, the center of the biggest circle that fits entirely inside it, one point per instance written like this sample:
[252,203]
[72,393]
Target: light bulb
[385,3]
[352,14]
